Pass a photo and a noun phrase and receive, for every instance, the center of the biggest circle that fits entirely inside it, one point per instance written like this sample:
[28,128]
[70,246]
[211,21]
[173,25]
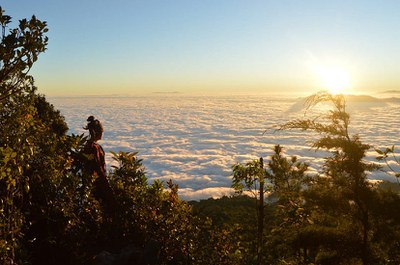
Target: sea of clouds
[195,140]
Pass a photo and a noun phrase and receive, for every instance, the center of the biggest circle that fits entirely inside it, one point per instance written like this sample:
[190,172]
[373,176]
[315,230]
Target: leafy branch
[384,155]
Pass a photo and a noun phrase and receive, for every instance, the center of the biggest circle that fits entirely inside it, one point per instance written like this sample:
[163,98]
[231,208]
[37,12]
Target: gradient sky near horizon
[135,47]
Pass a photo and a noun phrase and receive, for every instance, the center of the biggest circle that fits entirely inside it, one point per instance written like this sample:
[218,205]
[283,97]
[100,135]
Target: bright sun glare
[335,80]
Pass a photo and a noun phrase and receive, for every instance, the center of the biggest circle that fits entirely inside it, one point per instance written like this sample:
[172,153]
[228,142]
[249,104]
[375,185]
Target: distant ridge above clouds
[390,92]
[362,98]
[391,96]
[353,102]
[167,92]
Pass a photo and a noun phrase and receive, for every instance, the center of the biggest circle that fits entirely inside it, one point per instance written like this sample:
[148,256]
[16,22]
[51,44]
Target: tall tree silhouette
[346,171]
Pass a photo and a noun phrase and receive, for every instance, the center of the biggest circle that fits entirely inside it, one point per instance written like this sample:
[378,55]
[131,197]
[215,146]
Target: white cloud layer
[195,140]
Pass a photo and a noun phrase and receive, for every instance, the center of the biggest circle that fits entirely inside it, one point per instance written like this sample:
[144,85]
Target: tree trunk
[260,233]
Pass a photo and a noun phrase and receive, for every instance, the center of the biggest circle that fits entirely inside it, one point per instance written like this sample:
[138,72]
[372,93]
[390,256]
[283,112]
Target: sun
[335,80]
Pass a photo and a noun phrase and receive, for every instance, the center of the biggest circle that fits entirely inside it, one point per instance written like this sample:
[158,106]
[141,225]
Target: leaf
[379,151]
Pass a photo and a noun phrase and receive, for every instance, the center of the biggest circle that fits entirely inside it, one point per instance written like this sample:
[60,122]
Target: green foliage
[154,214]
[228,229]
[288,178]
[389,154]
[23,122]
[389,186]
[27,159]
[248,177]
[253,175]
[151,213]
[285,181]
[19,49]
[226,211]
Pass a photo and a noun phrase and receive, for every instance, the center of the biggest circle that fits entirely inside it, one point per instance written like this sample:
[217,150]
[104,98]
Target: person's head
[95,128]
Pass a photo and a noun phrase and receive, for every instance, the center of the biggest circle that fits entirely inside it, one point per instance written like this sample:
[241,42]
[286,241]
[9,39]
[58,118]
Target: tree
[35,209]
[19,49]
[288,178]
[23,122]
[288,208]
[34,161]
[227,224]
[284,179]
[152,214]
[251,177]
[345,171]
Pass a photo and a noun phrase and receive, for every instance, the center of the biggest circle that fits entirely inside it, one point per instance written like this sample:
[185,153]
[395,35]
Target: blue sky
[136,47]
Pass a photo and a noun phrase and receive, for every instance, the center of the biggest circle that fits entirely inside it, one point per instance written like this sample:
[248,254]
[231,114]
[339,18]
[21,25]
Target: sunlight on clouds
[195,140]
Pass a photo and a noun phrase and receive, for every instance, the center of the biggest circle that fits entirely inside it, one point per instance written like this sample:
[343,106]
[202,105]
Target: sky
[132,47]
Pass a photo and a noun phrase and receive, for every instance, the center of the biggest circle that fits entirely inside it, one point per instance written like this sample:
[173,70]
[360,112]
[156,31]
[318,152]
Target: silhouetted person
[95,165]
